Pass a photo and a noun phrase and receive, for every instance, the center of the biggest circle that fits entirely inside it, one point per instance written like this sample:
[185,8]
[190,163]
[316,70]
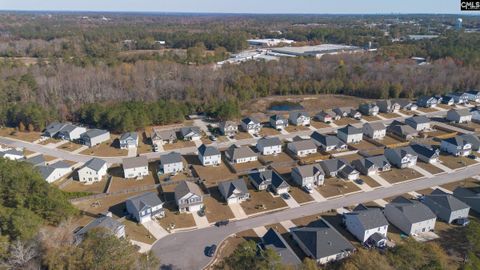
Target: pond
[285,106]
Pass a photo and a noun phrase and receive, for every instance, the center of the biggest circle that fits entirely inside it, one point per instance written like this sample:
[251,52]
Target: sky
[241,6]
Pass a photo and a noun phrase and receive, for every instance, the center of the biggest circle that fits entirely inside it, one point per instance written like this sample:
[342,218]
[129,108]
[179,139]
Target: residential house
[38,160]
[406,104]
[229,128]
[355,114]
[459,97]
[473,95]
[188,196]
[70,132]
[299,118]
[456,146]
[427,102]
[368,225]
[368,109]
[403,157]
[302,148]
[448,100]
[473,140]
[459,116]
[190,133]
[335,115]
[328,142]
[388,106]
[446,206]
[470,196]
[338,167]
[418,122]
[425,153]
[475,115]
[93,171]
[350,134]
[278,122]
[402,130]
[145,207]
[171,163]
[106,222]
[251,125]
[273,240]
[55,171]
[324,116]
[12,154]
[234,191]
[269,179]
[128,140]
[240,154]
[342,111]
[269,146]
[376,131]
[52,129]
[135,167]
[209,155]
[308,176]
[372,165]
[321,242]
[162,137]
[94,137]
[411,217]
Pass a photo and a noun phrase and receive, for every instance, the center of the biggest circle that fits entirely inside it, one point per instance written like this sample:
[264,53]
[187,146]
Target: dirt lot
[374,152]
[292,128]
[49,158]
[243,167]
[334,187]
[364,145]
[178,144]
[455,162]
[407,112]
[119,183]
[261,201]
[137,232]
[389,115]
[318,125]
[105,149]
[281,158]
[389,141]
[467,183]
[215,208]
[144,145]
[371,118]
[313,158]
[427,110]
[24,136]
[70,146]
[243,135]
[399,175]
[268,131]
[345,121]
[76,186]
[173,219]
[429,168]
[213,175]
[369,181]
[299,195]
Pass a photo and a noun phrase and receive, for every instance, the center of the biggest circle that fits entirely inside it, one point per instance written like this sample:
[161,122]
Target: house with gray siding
[338,167]
[368,109]
[145,207]
[446,206]
[278,122]
[459,116]
[171,163]
[402,157]
[411,217]
[70,132]
[328,143]
[350,134]
[191,133]
[94,137]
[299,118]
[188,196]
[376,131]
[234,191]
[269,179]
[308,176]
[269,146]
[456,146]
[368,225]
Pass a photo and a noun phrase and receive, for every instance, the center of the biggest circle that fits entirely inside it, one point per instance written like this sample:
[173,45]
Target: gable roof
[269,141]
[350,130]
[446,200]
[425,150]
[301,145]
[413,211]
[185,187]
[273,240]
[205,150]
[95,164]
[298,114]
[327,140]
[170,158]
[460,112]
[457,140]
[236,152]
[145,201]
[129,136]
[190,131]
[227,124]
[278,117]
[333,165]
[91,133]
[418,119]
[375,126]
[36,160]
[369,218]
[248,120]
[168,134]
[401,151]
[309,170]
[472,139]
[134,162]
[228,188]
[105,222]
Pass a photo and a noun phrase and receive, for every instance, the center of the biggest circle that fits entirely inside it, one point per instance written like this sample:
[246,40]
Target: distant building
[94,137]
[128,140]
[269,42]
[299,118]
[316,51]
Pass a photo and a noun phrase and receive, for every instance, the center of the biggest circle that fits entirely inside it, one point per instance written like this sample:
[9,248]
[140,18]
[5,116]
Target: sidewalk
[155,229]
[380,180]
[260,231]
[442,167]
[144,247]
[422,171]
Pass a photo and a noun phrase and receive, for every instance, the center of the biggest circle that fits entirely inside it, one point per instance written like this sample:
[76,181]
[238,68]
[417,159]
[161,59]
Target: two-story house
[228,128]
[234,191]
[278,122]
[135,167]
[388,106]
[456,146]
[328,143]
[299,118]
[191,133]
[93,171]
[302,148]
[446,206]
[368,109]
[94,137]
[350,134]
[426,153]
[324,117]
[251,125]
[403,157]
[209,155]
[459,116]
[188,196]
[269,146]
[411,217]
[145,206]
[376,131]
[418,122]
[240,154]
[128,140]
[368,225]
[372,165]
[171,163]
[308,176]
[269,179]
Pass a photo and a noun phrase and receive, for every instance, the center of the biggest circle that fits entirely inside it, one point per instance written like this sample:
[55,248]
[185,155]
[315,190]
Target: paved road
[76,157]
[172,249]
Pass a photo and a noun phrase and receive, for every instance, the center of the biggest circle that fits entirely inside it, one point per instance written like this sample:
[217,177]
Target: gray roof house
[302,148]
[328,142]
[402,157]
[368,225]
[459,116]
[299,118]
[372,165]
[161,137]
[93,171]
[308,176]
[265,179]
[171,163]
[105,222]
[12,154]
[277,121]
[350,134]
[406,104]
[473,140]
[53,128]
[342,111]
[70,132]
[269,146]
[240,154]
[355,114]
[36,160]
[427,101]
[470,196]
[426,153]
[234,191]
[188,196]
[321,242]
[376,130]
[274,241]
[54,171]
[473,95]
[251,125]
[459,97]
[324,116]
[228,128]
[402,130]
[190,133]
[388,106]
[418,122]
[339,167]
[135,167]
[446,206]
[145,206]
[448,100]
[368,109]
[456,146]
[128,140]
[94,137]
[209,155]
[411,217]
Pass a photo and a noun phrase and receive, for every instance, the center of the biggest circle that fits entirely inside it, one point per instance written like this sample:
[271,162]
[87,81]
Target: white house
[459,116]
[411,217]
[55,171]
[447,207]
[251,125]
[368,225]
[135,167]
[234,191]
[302,148]
[94,137]
[350,134]
[189,197]
[376,131]
[171,163]
[419,123]
[209,155]
[128,140]
[269,146]
[473,95]
[240,154]
[145,206]
[299,118]
[190,133]
[308,176]
[278,122]
[403,157]
[456,146]
[93,171]
[70,132]
[12,154]
[228,128]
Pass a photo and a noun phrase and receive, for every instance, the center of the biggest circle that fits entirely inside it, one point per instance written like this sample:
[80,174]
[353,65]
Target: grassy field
[178,144]
[299,195]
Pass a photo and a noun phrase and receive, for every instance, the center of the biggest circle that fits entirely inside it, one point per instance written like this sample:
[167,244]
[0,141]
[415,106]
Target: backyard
[336,187]
[399,175]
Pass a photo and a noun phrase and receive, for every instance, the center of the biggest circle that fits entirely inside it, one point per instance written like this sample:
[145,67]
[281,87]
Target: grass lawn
[173,219]
[119,183]
[305,220]
[144,145]
[48,158]
[335,187]
[440,133]
[374,152]
[399,175]
[444,106]
[213,175]
[407,112]
[318,125]
[389,115]
[292,128]
[429,168]
[70,146]
[137,232]
[466,183]
[371,118]
[178,144]
[313,158]
[455,162]
[261,201]
[345,121]
[76,186]
[105,149]
[243,135]
[215,208]
[24,136]
[268,131]
[369,181]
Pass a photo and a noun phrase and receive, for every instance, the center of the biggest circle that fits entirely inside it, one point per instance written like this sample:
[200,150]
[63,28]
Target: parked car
[308,189]
[462,221]
[222,223]
[211,250]
[472,156]
[359,181]
[286,196]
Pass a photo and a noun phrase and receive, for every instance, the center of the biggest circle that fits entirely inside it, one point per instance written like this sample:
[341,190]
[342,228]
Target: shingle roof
[36,160]
[267,142]
[165,134]
[14,152]
[273,240]
[309,170]
[172,157]
[208,150]
[461,112]
[457,140]
[418,119]
[327,140]
[185,187]
[95,164]
[298,114]
[145,200]
[424,150]
[350,130]
[228,188]
[333,165]
[129,135]
[414,211]
[226,124]
[472,139]
[446,200]
[304,145]
[376,126]
[369,218]
[236,152]
[247,120]
[135,162]
[91,133]
[185,131]
[105,222]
